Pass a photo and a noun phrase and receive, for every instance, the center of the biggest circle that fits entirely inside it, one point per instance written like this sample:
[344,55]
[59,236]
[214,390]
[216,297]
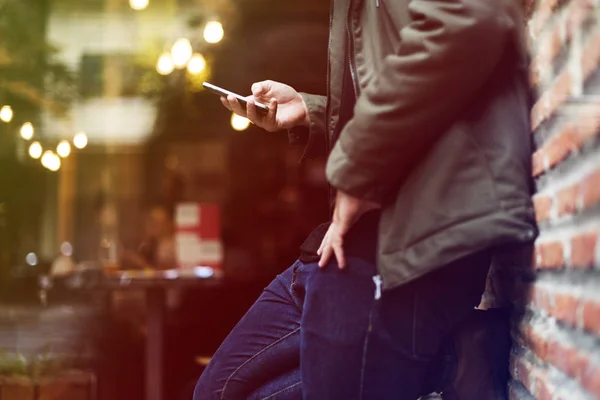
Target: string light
[181,52]
[239,123]
[35,150]
[27,131]
[213,32]
[196,64]
[164,65]
[63,149]
[80,140]
[6,114]
[51,161]
[138,4]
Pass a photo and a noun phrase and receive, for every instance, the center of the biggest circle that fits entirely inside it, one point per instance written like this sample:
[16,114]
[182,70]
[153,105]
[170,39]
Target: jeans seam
[414,329]
[253,357]
[271,396]
[295,274]
[364,357]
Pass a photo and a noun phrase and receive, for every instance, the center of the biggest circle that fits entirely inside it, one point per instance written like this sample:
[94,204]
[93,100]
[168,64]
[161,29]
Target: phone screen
[241,99]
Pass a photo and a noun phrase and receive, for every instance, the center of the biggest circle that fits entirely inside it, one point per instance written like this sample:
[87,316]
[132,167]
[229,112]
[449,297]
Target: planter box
[71,385]
[16,388]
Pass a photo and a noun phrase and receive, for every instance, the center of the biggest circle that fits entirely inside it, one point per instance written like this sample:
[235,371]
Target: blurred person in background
[157,250]
[426,126]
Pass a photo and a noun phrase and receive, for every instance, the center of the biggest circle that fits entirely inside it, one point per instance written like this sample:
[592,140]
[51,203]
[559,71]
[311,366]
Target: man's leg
[409,323]
[263,346]
[357,347]
[334,328]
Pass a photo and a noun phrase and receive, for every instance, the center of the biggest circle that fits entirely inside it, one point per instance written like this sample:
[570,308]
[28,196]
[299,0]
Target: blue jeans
[324,334]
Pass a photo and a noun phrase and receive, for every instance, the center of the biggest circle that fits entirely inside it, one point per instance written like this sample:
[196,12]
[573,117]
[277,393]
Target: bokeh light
[181,52]
[6,113]
[138,4]
[164,65]
[63,149]
[35,150]
[27,131]
[213,32]
[80,140]
[239,123]
[197,64]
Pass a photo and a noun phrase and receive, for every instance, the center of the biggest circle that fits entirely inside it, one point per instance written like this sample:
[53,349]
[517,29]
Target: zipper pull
[378,283]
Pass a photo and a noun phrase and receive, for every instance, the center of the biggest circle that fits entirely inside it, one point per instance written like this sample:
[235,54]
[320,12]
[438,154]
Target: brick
[542,205]
[565,308]
[537,163]
[552,45]
[591,54]
[583,248]
[542,14]
[551,256]
[523,372]
[566,201]
[541,298]
[591,317]
[559,91]
[542,388]
[549,102]
[590,188]
[590,379]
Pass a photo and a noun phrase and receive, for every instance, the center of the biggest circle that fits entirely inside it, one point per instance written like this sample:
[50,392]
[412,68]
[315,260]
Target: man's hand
[286,107]
[347,211]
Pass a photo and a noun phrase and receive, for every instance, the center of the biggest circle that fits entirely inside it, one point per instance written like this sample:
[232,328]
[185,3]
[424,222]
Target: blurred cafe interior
[138,217]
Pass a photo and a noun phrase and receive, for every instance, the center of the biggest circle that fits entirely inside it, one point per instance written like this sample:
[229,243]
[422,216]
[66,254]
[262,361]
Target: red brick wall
[556,327]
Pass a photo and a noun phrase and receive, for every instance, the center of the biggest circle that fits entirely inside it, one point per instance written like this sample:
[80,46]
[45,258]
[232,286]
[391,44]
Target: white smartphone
[241,99]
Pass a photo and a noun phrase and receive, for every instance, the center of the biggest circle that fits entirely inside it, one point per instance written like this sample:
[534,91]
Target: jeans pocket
[395,322]
[296,286]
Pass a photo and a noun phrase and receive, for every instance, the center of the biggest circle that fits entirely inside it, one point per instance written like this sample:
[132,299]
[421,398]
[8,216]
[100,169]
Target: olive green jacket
[440,134]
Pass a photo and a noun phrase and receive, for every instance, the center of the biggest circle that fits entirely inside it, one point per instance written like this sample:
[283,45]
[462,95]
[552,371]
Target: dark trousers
[323,334]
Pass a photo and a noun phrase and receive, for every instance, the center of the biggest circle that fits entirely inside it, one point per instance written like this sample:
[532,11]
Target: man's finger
[225,103]
[323,243]
[338,249]
[260,88]
[325,256]
[251,111]
[235,106]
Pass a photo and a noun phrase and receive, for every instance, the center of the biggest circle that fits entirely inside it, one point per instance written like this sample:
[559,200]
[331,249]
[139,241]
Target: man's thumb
[259,88]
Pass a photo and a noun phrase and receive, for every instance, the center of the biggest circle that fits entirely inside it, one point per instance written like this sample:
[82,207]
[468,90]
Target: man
[426,121]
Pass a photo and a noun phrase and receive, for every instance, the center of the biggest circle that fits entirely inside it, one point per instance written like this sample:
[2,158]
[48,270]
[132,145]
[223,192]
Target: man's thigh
[409,323]
[335,321]
[264,344]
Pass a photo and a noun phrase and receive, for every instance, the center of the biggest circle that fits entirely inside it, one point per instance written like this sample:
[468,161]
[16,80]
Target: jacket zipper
[351,50]
[330,194]
[327,82]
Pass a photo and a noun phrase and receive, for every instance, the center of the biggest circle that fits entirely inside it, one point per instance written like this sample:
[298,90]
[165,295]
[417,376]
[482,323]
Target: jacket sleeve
[447,52]
[313,137]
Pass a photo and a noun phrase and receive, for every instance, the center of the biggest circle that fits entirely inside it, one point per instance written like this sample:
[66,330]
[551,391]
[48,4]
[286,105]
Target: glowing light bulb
[196,64]
[47,159]
[6,114]
[181,52]
[54,162]
[31,259]
[213,32]
[164,65]
[138,4]
[27,131]
[63,149]
[80,140]
[239,123]
[35,150]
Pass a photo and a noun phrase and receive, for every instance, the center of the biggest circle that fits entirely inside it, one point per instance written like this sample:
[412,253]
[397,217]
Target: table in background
[155,284]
